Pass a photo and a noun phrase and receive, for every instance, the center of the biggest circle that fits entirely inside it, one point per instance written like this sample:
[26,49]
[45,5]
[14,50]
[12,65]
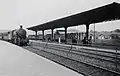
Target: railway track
[90,53]
[102,59]
[108,56]
[78,66]
[87,51]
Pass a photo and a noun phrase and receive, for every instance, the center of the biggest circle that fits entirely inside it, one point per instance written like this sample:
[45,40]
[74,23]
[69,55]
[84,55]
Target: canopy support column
[52,34]
[36,33]
[43,34]
[65,34]
[87,31]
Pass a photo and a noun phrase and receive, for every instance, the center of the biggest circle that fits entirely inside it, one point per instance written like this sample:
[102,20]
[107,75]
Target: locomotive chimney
[21,26]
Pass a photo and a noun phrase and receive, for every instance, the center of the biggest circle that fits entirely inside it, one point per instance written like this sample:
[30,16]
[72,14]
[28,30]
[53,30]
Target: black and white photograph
[59,37]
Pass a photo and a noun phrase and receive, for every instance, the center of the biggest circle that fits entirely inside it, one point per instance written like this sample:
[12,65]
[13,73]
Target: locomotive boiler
[17,36]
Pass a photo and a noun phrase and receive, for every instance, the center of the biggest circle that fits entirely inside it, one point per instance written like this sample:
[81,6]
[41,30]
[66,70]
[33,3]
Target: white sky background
[34,12]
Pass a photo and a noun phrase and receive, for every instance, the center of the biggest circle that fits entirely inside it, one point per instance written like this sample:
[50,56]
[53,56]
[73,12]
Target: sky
[33,12]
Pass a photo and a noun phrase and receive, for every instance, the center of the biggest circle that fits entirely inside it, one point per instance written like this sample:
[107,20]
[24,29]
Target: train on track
[17,36]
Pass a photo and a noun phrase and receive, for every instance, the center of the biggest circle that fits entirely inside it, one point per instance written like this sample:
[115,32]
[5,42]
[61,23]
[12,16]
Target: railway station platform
[81,46]
[16,61]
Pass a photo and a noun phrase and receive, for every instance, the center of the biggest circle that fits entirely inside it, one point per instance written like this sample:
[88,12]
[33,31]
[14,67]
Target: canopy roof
[105,13]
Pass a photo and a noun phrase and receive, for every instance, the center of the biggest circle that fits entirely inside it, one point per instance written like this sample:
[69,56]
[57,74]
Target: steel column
[36,33]
[87,31]
[66,34]
[43,34]
[52,34]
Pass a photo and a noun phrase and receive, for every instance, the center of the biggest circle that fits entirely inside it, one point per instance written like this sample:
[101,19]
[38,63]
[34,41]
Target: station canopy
[105,13]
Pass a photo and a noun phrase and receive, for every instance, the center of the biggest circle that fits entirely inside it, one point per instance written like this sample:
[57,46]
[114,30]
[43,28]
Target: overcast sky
[33,12]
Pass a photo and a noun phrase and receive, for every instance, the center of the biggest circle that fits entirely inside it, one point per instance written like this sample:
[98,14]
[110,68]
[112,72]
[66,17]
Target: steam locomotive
[17,37]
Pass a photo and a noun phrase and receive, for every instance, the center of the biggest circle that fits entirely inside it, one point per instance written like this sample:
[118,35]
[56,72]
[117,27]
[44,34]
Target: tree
[117,30]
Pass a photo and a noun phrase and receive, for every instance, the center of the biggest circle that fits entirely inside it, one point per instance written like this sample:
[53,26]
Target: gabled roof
[105,13]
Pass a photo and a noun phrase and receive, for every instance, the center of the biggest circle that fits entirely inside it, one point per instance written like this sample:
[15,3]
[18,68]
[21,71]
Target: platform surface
[16,61]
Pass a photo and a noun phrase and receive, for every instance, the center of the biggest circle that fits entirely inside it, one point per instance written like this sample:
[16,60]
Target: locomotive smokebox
[21,33]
